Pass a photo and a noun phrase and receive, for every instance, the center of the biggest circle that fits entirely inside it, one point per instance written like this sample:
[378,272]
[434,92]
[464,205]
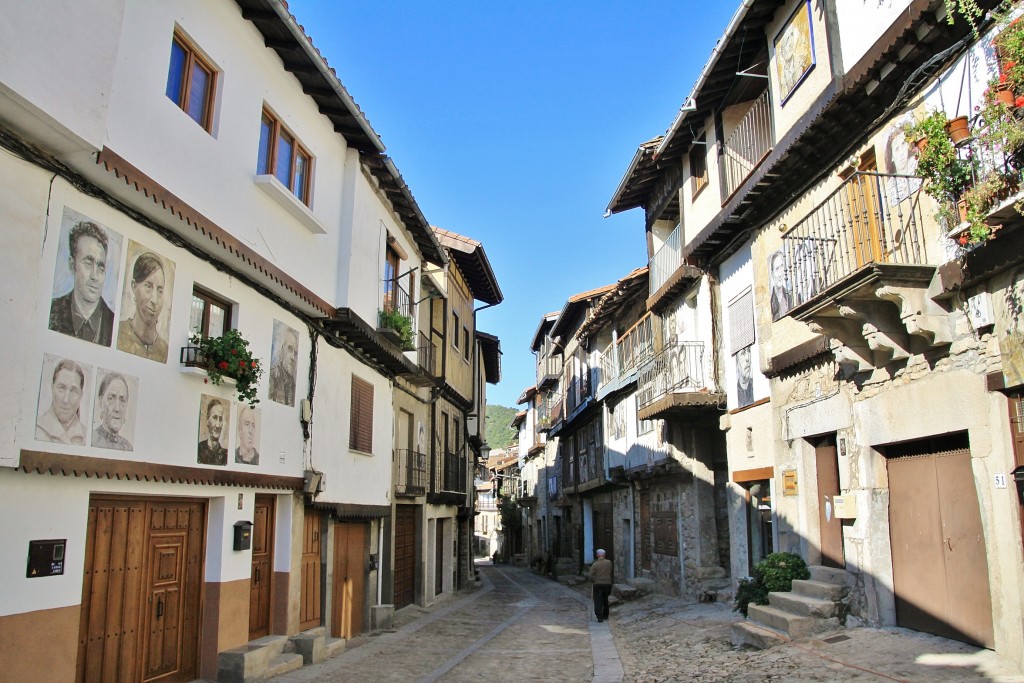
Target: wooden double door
[141,590]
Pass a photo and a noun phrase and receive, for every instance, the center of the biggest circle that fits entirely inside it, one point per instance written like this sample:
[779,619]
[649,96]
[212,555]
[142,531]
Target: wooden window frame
[455,328]
[360,433]
[210,299]
[277,131]
[194,58]
[698,159]
[465,343]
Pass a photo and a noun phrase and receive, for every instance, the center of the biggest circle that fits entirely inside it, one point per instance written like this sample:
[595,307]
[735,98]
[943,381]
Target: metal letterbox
[243,535]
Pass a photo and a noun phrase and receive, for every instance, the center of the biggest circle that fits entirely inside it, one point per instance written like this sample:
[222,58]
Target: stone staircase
[270,656]
[813,606]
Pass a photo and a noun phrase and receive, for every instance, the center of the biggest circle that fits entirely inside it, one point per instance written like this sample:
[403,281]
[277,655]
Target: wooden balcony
[748,145]
[668,273]
[549,369]
[676,385]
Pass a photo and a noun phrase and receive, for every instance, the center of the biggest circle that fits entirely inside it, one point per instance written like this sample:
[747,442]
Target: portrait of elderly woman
[114,420]
[146,305]
[63,388]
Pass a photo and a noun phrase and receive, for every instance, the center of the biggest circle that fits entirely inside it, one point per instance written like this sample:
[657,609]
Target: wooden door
[865,217]
[310,612]
[349,579]
[830,527]
[141,592]
[439,557]
[604,535]
[940,571]
[405,555]
[261,577]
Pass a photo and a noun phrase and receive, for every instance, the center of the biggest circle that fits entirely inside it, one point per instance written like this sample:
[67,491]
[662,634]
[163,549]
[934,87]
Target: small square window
[190,81]
[281,155]
[210,315]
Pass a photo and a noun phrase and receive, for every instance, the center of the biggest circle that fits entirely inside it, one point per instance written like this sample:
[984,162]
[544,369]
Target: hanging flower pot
[958,129]
[1006,97]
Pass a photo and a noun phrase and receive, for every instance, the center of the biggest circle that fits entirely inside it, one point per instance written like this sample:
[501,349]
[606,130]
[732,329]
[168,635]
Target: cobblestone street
[522,627]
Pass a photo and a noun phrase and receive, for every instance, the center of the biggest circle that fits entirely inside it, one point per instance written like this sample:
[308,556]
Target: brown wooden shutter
[361,416]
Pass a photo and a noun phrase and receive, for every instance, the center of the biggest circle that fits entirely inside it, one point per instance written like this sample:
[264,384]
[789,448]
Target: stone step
[625,591]
[794,625]
[756,635]
[283,663]
[838,577]
[802,605]
[334,646]
[250,661]
[644,586]
[819,589]
[310,645]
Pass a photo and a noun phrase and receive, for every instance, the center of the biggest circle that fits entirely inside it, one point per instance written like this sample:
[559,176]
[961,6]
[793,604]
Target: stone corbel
[846,343]
[881,328]
[921,316]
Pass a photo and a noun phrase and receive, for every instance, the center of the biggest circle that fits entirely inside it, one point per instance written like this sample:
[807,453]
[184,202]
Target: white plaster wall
[60,62]
[350,476]
[861,23]
[737,276]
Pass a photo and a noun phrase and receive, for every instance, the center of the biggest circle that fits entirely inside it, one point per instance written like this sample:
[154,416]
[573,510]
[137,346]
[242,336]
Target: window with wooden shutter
[361,416]
[741,322]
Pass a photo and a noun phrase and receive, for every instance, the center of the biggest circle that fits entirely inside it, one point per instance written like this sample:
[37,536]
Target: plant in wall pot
[391,319]
[946,175]
[229,356]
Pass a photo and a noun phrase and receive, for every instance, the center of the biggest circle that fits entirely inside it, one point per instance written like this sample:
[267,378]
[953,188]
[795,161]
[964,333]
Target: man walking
[601,576]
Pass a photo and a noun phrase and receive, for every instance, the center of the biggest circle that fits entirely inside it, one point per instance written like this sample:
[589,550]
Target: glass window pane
[176,72]
[198,94]
[285,148]
[195,320]
[263,158]
[218,317]
[301,166]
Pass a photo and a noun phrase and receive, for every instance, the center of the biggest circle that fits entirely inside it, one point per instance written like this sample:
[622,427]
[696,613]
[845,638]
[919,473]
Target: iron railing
[665,261]
[426,355]
[870,218]
[608,364]
[396,298]
[412,472]
[747,144]
[636,347]
[678,367]
[449,473]
[544,413]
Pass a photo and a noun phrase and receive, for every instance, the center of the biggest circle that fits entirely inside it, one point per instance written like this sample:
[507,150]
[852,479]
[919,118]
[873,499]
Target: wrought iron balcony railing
[608,364]
[426,355]
[636,346]
[748,144]
[871,218]
[411,478]
[449,473]
[665,261]
[678,367]
[396,298]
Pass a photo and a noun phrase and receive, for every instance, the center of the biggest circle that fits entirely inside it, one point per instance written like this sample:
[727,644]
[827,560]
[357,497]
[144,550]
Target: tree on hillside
[499,426]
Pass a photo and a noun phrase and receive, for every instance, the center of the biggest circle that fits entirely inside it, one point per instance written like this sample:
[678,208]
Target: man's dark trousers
[601,593]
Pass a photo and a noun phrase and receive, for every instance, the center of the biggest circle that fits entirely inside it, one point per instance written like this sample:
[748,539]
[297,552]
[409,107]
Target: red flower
[254,364]
[234,352]
[963,240]
[223,365]
[1019,101]
[1002,79]
[241,363]
[1009,65]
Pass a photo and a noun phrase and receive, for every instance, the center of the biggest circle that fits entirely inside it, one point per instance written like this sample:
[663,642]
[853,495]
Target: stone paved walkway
[522,627]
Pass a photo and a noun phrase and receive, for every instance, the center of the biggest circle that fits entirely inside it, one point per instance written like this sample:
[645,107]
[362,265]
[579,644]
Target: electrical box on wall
[979,310]
[845,507]
[45,558]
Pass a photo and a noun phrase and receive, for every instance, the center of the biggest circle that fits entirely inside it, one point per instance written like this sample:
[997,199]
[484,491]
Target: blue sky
[513,124]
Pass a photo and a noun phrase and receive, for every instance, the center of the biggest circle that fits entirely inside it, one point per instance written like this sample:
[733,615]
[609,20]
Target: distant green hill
[499,430]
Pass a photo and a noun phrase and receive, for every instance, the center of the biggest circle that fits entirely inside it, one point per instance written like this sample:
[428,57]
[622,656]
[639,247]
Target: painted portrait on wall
[65,386]
[85,279]
[146,304]
[113,421]
[744,378]
[794,51]
[781,295]
[284,358]
[1009,321]
[248,442]
[214,427]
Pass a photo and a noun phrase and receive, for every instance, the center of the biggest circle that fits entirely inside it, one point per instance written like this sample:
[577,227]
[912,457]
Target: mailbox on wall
[243,535]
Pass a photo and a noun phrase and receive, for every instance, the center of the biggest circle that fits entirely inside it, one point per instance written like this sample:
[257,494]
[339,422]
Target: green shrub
[402,324]
[774,573]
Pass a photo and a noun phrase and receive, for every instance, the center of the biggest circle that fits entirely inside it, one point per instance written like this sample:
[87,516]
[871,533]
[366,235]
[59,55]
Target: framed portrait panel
[146,304]
[65,391]
[247,441]
[115,409]
[284,358]
[214,429]
[85,279]
[794,51]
